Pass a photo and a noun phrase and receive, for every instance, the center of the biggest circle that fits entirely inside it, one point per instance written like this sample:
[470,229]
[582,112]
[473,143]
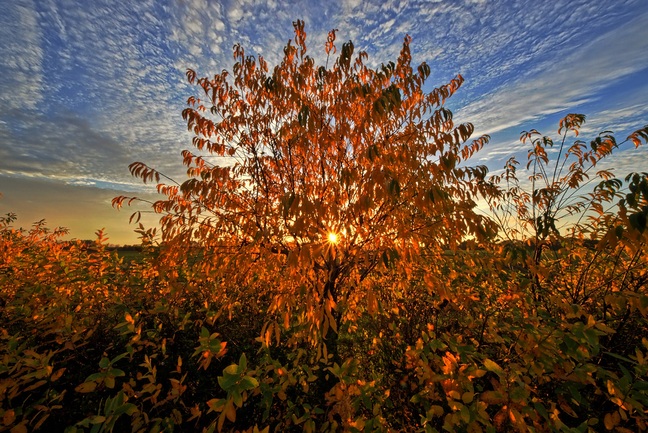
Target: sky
[89,86]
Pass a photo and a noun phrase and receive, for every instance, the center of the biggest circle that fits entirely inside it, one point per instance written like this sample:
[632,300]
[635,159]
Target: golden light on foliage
[333,238]
[312,155]
[300,144]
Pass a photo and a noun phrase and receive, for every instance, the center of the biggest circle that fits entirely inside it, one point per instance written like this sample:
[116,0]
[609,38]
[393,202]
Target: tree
[568,199]
[309,182]
[329,214]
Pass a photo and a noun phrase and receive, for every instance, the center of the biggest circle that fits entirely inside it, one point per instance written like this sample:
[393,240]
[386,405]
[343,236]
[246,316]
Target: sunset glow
[593,61]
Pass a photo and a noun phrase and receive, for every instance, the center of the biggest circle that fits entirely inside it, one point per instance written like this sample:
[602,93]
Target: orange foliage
[421,315]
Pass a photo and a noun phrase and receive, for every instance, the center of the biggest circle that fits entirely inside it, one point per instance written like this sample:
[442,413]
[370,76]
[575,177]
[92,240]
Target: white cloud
[115,69]
[22,57]
[564,83]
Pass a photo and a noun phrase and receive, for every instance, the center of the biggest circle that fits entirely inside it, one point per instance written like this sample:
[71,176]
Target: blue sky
[86,87]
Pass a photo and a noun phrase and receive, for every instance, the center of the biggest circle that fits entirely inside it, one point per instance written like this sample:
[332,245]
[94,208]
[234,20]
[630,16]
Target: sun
[333,238]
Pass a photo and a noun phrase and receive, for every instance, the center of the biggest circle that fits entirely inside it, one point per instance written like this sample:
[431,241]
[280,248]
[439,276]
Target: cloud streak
[22,58]
[88,87]
[564,83]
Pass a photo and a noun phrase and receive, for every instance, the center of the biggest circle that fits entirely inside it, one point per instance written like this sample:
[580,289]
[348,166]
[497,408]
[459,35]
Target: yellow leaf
[86,387]
[436,410]
[35,385]
[476,373]
[215,405]
[516,418]
[610,387]
[372,304]
[602,327]
[57,374]
[230,411]
[494,367]
[609,422]
[565,407]
[455,395]
[277,334]
[20,428]
[467,397]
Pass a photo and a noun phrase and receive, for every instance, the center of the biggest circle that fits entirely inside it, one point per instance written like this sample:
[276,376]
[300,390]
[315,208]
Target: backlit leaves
[317,148]
[639,137]
[323,268]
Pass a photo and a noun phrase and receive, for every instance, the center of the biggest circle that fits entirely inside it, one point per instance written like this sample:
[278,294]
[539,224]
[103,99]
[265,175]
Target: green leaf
[622,358]
[97,419]
[232,370]
[248,383]
[242,363]
[86,387]
[237,398]
[95,376]
[116,372]
[104,363]
[228,381]
[492,366]
[118,357]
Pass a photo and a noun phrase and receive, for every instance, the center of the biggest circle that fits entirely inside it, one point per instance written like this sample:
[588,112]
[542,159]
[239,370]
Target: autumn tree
[571,254]
[570,200]
[307,278]
[308,182]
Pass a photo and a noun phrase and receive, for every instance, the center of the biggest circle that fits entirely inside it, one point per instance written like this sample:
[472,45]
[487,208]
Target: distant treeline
[92,245]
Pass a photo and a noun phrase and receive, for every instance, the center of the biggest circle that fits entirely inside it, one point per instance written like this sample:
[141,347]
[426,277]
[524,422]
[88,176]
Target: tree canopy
[309,180]
[324,267]
[327,268]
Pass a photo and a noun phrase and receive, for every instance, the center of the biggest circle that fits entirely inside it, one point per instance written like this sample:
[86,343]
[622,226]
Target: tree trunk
[327,379]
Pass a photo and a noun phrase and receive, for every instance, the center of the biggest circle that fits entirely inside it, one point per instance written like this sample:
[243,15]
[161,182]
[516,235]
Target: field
[93,341]
[337,274]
